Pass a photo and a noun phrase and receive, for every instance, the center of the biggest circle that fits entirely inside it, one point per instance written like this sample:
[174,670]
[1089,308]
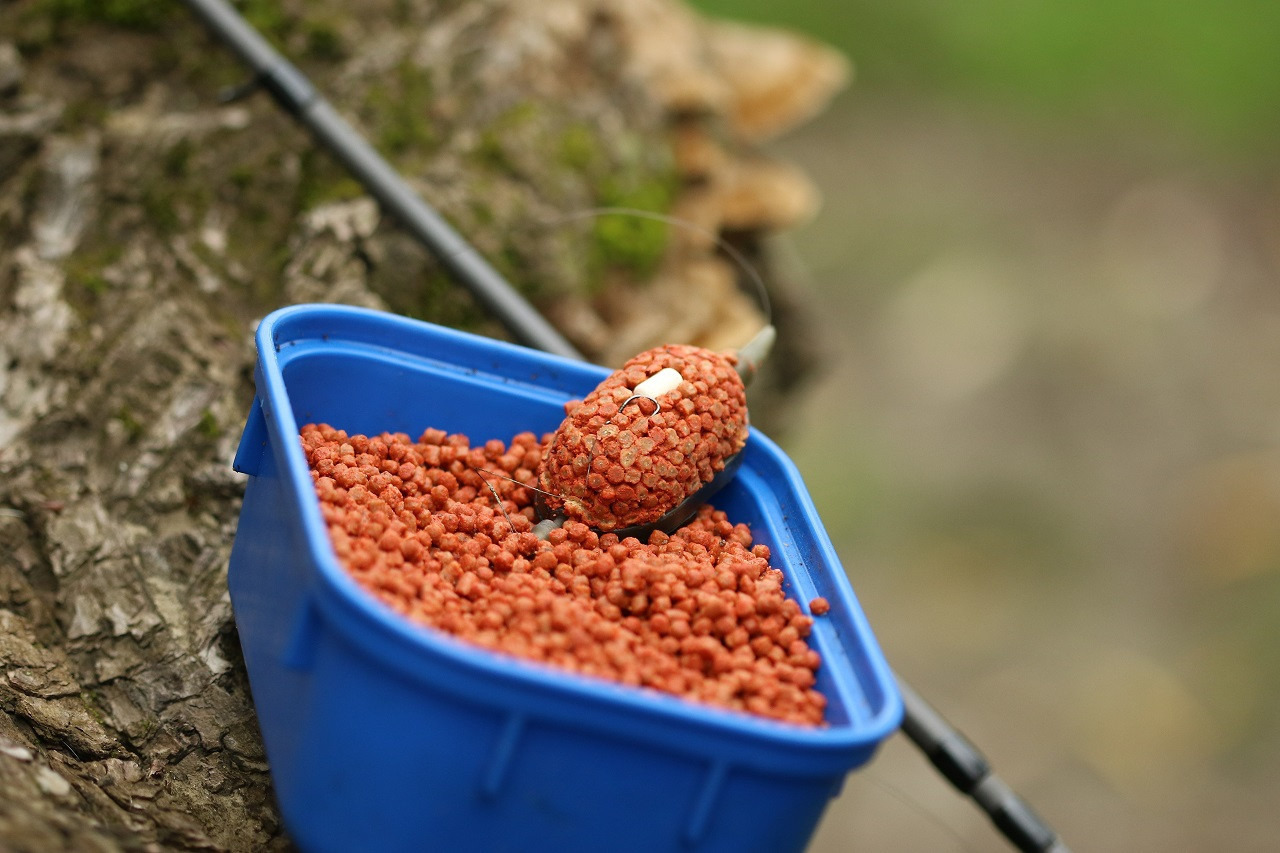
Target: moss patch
[322,180]
[398,108]
[209,426]
[135,14]
[323,41]
[570,165]
[632,242]
[267,17]
[580,149]
[86,283]
[506,141]
[133,427]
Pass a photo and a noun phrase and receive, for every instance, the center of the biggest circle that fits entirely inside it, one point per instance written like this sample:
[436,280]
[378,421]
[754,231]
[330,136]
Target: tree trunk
[145,225]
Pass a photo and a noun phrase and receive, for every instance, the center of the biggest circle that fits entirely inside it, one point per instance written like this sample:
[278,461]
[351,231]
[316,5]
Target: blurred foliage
[1208,71]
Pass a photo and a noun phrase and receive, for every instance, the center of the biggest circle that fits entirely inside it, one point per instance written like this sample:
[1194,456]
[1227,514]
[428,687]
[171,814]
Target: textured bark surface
[145,225]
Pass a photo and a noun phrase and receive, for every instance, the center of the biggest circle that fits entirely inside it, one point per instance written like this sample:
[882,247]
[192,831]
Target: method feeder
[651,443]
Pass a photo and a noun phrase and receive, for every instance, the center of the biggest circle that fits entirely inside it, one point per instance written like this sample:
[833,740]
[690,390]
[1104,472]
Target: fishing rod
[294,92]
[969,772]
[954,756]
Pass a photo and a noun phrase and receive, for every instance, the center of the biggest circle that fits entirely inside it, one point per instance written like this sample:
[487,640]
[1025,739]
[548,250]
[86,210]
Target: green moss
[397,109]
[93,706]
[323,41]
[326,191]
[402,11]
[573,167]
[241,176]
[580,149]
[208,426]
[96,284]
[496,149]
[83,113]
[631,242]
[133,427]
[85,281]
[90,261]
[174,193]
[481,213]
[177,159]
[439,299]
[491,154]
[135,14]
[511,263]
[265,190]
[322,181]
[158,205]
[267,17]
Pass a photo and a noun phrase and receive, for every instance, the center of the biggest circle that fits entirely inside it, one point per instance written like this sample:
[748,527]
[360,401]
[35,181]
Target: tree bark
[145,225]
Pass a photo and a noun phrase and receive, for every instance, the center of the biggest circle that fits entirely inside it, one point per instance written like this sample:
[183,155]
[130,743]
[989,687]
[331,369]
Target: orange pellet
[819,606]
[699,613]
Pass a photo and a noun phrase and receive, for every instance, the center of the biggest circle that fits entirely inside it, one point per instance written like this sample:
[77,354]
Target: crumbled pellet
[698,614]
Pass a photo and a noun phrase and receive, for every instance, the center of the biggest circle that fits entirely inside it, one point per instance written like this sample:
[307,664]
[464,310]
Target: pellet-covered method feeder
[652,442]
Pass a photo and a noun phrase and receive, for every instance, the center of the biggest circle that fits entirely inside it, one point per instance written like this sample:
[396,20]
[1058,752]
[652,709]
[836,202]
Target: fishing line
[917,806]
[518,483]
[498,500]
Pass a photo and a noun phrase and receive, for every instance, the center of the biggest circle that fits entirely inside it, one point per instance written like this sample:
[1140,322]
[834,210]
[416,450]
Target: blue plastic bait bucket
[383,735]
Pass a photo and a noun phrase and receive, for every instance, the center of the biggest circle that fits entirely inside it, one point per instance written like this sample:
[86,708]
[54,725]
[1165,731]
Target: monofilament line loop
[496,497]
[518,483]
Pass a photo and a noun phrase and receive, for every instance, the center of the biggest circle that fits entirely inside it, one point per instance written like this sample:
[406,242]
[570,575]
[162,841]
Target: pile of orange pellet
[432,530]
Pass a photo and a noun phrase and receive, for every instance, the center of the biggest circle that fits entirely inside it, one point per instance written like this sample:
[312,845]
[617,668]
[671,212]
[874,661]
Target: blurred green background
[1209,71]
[1046,439]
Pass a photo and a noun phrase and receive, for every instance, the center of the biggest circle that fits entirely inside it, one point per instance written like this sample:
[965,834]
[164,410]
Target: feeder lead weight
[543,528]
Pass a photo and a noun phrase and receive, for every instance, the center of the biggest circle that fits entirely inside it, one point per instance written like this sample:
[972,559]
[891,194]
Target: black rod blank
[963,766]
[294,92]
